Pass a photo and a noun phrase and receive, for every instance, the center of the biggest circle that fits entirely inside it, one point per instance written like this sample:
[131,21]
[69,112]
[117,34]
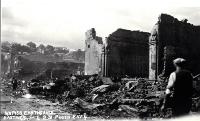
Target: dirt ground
[14,107]
[50,111]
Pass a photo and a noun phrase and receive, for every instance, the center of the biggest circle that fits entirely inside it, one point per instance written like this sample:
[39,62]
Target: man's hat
[179,61]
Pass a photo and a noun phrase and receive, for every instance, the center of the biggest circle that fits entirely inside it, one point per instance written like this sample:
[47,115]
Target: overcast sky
[64,22]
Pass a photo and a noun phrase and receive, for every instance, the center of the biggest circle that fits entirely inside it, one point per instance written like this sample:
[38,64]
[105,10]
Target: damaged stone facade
[169,39]
[93,50]
[127,54]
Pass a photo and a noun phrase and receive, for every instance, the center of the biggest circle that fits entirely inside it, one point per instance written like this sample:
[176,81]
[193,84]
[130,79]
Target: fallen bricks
[86,105]
[128,98]
[136,101]
[130,110]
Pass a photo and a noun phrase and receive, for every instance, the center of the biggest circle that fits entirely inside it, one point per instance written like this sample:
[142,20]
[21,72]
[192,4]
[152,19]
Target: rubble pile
[103,97]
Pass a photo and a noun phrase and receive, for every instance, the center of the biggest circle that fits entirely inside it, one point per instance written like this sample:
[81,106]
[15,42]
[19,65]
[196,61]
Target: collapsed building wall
[127,54]
[169,39]
[93,50]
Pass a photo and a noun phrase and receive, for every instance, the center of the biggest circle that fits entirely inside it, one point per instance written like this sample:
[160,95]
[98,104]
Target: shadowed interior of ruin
[127,53]
[171,39]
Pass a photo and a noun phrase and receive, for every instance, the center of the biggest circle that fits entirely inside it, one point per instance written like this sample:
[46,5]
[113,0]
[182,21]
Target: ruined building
[169,39]
[126,53]
[93,50]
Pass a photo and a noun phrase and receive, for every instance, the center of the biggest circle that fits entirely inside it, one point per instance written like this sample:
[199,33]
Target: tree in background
[61,50]
[6,46]
[32,46]
[18,48]
[25,48]
[49,49]
[15,48]
[41,48]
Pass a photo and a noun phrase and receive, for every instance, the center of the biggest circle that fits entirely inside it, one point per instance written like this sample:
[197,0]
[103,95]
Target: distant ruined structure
[93,52]
[126,53]
[169,39]
[5,63]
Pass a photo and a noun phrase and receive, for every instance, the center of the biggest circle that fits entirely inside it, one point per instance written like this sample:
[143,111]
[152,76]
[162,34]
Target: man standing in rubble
[180,86]
[14,83]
